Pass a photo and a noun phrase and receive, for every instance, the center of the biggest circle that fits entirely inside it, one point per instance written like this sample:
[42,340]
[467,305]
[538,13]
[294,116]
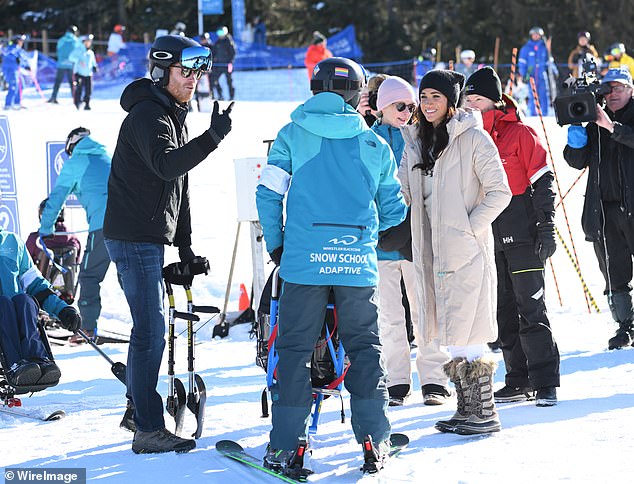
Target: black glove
[546,244]
[221,123]
[276,255]
[70,319]
[186,254]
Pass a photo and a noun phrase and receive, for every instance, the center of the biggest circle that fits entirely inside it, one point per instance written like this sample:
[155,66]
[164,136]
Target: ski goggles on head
[196,58]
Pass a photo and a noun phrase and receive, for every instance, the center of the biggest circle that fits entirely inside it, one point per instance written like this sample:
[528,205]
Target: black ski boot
[288,462]
[621,308]
[374,456]
[623,336]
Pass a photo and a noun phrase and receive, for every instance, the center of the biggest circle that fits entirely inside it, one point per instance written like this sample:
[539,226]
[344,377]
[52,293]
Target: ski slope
[586,438]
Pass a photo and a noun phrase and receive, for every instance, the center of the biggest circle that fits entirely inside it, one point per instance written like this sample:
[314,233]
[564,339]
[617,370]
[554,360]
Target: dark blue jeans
[18,329]
[139,266]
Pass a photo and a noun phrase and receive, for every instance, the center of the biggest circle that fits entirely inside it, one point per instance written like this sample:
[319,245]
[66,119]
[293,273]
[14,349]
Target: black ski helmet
[172,49]
[60,216]
[339,75]
[74,137]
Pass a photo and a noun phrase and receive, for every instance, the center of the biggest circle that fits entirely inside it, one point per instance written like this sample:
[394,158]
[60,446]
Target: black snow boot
[621,308]
[160,441]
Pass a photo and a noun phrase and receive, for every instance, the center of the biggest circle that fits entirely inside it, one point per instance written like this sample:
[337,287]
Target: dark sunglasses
[187,72]
[400,107]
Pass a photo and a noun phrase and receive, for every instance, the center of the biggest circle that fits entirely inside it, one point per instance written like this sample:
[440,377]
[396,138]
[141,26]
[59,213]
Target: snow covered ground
[586,438]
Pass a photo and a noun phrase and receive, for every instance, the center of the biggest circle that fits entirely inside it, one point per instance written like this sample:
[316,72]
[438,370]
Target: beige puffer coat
[453,252]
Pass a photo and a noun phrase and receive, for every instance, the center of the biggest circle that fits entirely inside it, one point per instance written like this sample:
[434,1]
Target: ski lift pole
[513,67]
[552,162]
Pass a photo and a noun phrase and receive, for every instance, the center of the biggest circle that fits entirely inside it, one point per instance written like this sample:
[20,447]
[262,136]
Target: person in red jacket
[524,238]
[317,51]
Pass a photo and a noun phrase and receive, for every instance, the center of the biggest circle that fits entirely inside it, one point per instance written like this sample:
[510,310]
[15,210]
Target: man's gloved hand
[276,255]
[221,123]
[186,254]
[577,136]
[546,244]
[70,319]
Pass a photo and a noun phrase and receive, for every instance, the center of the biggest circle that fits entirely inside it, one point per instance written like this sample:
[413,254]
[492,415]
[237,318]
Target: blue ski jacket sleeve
[18,274]
[84,174]
[339,181]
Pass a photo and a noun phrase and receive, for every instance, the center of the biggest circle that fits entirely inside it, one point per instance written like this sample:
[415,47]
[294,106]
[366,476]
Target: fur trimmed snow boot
[477,383]
[451,370]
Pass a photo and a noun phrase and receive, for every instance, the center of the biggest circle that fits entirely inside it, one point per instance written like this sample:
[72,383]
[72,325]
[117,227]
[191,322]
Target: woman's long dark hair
[433,140]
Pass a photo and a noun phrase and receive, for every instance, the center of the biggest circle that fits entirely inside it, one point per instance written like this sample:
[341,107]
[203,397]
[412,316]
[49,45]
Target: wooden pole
[496,53]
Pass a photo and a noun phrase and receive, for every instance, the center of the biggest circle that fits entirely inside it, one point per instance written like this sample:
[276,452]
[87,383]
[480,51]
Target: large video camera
[578,101]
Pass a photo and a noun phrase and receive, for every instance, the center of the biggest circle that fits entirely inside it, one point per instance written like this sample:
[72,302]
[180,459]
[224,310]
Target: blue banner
[7,170]
[212,7]
[237,14]
[9,219]
[55,158]
[131,63]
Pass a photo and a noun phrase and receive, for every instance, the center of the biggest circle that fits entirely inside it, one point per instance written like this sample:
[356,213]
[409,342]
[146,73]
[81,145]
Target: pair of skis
[298,473]
[178,400]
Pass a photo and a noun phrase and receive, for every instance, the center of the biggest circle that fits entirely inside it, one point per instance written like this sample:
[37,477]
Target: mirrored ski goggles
[185,72]
[400,107]
[196,58]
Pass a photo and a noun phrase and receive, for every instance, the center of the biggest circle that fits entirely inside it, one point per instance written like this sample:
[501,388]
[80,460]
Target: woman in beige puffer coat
[453,179]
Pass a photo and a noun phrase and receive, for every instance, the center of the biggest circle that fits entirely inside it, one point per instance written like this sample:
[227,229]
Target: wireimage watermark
[65,475]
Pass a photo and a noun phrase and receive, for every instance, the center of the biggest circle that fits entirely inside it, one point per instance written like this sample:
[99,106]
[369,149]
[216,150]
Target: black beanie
[485,82]
[450,83]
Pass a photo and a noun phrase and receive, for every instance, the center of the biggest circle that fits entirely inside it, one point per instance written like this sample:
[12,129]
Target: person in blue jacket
[65,47]
[23,291]
[84,174]
[534,61]
[84,64]
[13,58]
[396,102]
[344,190]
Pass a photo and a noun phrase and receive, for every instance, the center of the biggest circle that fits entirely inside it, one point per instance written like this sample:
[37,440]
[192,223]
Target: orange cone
[244,298]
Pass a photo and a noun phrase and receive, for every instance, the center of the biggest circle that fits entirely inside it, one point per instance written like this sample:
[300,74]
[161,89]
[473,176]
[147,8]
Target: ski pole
[552,162]
[578,271]
[552,268]
[571,187]
[513,65]
[118,369]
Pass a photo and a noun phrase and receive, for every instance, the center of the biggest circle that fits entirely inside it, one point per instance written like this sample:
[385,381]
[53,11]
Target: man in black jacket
[607,148]
[148,208]
[224,53]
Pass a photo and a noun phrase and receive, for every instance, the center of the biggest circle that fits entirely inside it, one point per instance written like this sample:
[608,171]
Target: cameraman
[606,146]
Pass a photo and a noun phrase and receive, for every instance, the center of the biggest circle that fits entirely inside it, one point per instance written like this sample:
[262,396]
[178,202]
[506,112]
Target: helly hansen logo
[507,240]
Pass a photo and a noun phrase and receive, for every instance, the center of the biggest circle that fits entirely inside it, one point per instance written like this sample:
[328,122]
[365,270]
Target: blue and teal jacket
[65,47]
[84,62]
[18,274]
[85,174]
[341,186]
[395,139]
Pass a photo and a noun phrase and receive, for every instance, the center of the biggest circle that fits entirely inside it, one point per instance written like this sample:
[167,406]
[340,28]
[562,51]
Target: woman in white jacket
[453,178]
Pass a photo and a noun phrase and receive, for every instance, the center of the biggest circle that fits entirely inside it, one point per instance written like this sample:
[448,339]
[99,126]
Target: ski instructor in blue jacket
[344,190]
[85,174]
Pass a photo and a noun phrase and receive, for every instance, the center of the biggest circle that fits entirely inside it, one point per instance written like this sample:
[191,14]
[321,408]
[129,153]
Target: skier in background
[534,62]
[65,47]
[13,58]
[316,52]
[224,53]
[85,65]
[579,53]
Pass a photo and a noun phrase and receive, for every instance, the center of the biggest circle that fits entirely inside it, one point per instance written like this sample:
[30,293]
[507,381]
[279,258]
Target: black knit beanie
[450,83]
[485,82]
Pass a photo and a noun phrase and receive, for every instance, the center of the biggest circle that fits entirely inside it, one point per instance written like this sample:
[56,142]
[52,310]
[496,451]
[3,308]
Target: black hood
[145,90]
